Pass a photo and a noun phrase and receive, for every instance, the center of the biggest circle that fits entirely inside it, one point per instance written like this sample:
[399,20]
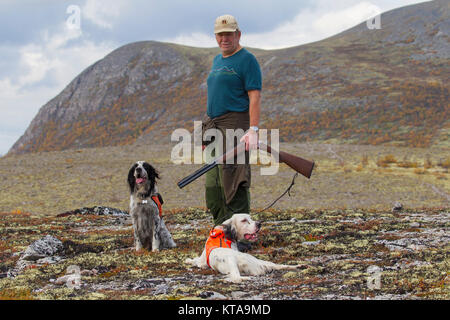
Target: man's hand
[251,136]
[251,140]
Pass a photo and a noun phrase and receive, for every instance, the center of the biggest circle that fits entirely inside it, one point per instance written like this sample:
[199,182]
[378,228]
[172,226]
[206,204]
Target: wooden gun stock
[300,165]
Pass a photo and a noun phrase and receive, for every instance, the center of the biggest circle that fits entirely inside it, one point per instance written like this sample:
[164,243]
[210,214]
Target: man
[234,102]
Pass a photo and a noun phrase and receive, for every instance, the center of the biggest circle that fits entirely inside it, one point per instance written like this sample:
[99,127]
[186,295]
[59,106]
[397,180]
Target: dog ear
[230,231]
[152,175]
[151,171]
[131,179]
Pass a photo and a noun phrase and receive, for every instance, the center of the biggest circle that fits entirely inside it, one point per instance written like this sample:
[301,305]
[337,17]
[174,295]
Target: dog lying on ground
[221,253]
[150,232]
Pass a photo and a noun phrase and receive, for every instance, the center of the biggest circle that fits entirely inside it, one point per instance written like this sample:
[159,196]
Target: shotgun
[302,166]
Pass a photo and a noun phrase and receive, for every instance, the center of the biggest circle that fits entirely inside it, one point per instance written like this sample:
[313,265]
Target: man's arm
[255,106]
[251,137]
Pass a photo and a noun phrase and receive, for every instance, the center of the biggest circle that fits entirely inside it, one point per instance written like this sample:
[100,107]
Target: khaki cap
[225,23]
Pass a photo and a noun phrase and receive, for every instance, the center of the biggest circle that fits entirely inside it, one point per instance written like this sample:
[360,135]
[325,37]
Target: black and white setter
[150,232]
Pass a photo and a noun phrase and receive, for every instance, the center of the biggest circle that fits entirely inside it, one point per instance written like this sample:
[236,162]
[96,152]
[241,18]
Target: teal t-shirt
[229,80]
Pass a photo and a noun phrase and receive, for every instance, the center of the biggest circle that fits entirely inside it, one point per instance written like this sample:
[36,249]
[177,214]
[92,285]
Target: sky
[44,44]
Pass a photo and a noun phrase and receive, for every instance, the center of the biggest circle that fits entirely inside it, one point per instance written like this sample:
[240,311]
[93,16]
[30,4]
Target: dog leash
[288,191]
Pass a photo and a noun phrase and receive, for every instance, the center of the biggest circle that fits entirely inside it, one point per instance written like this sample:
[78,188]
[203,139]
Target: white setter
[221,253]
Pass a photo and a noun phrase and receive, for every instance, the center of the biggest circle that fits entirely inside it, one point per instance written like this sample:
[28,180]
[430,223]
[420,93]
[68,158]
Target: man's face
[228,41]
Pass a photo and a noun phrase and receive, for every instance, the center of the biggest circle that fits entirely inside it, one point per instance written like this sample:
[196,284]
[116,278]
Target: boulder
[43,248]
[397,207]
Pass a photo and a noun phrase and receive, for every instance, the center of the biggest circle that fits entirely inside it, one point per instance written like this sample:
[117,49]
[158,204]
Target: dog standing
[221,253]
[150,232]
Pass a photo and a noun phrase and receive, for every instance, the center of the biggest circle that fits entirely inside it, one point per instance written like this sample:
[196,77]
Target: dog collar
[156,201]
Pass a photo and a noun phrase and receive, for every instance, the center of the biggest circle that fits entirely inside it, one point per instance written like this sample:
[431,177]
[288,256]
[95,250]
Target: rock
[89,273]
[161,289]
[50,260]
[42,248]
[42,251]
[311,243]
[142,284]
[397,207]
[212,295]
[238,294]
[97,210]
[159,285]
[101,211]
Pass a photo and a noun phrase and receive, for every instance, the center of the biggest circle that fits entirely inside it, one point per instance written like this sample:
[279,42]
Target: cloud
[312,23]
[334,22]
[309,25]
[18,107]
[196,39]
[103,13]
[44,68]
[57,57]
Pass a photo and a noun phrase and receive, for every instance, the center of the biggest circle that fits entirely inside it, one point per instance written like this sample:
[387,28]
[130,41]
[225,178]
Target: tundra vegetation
[339,223]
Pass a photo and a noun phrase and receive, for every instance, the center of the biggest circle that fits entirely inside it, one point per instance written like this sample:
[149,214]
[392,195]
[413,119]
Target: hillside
[387,86]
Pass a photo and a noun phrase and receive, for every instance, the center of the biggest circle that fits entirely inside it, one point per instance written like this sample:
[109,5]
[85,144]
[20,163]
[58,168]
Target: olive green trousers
[215,197]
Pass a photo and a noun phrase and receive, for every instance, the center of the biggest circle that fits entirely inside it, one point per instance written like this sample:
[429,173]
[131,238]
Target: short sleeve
[252,74]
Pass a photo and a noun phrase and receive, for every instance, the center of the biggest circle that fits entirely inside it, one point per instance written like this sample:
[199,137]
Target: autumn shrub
[428,163]
[16,294]
[419,171]
[389,159]
[384,162]
[407,164]
[444,163]
[365,160]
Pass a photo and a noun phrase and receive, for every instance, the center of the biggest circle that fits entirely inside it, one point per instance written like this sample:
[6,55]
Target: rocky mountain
[365,86]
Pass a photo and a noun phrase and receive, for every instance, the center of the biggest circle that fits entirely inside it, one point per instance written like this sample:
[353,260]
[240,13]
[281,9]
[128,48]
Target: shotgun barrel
[185,181]
[302,166]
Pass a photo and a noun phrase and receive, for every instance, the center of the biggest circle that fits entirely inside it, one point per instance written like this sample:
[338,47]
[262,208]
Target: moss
[290,274]
[361,243]
[337,263]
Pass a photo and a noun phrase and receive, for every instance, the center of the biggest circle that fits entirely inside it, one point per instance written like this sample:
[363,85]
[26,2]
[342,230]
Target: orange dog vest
[216,240]
[158,203]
